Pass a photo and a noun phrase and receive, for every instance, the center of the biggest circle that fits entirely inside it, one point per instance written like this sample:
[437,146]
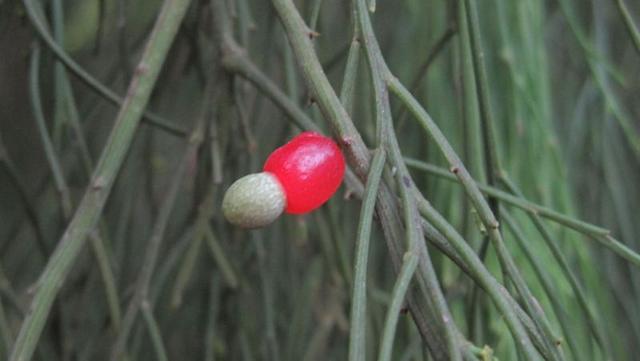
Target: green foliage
[494,145]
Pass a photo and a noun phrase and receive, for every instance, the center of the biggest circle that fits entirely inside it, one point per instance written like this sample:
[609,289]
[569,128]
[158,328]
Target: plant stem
[386,136]
[484,279]
[184,273]
[491,157]
[418,79]
[92,204]
[357,334]
[29,205]
[564,265]
[238,63]
[633,31]
[41,30]
[356,152]
[220,257]
[49,149]
[300,38]
[548,286]
[599,234]
[154,332]
[155,240]
[67,205]
[409,265]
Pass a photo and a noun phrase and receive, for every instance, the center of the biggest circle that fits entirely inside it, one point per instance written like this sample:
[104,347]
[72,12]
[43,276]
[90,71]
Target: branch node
[99,183]
[141,69]
[407,181]
[347,142]
[312,34]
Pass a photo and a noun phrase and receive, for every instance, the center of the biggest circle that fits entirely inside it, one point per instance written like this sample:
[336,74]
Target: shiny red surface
[310,168]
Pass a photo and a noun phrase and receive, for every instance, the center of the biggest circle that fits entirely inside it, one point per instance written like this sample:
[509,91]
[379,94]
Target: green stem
[154,332]
[491,157]
[599,234]
[41,29]
[6,336]
[484,279]
[547,285]
[485,213]
[347,91]
[67,105]
[418,79]
[471,188]
[160,225]
[427,279]
[92,204]
[267,285]
[633,31]
[353,146]
[240,64]
[357,334]
[61,184]
[315,14]
[49,149]
[475,269]
[564,265]
[321,89]
[409,265]
[220,257]
[15,179]
[58,74]
[212,315]
[184,274]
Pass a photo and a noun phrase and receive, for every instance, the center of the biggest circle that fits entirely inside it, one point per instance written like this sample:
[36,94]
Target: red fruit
[310,168]
[301,176]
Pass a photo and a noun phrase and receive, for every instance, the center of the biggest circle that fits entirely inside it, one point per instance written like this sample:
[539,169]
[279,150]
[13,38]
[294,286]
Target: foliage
[494,152]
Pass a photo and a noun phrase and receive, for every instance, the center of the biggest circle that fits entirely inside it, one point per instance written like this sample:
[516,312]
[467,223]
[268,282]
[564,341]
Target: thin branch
[356,152]
[599,234]
[427,280]
[322,92]
[484,278]
[184,273]
[409,265]
[41,29]
[358,328]
[160,225]
[436,50]
[547,285]
[564,265]
[633,31]
[487,121]
[154,332]
[49,149]
[221,258]
[92,204]
[484,211]
[29,204]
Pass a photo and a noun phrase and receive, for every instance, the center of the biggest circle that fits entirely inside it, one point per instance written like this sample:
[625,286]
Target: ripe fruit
[298,177]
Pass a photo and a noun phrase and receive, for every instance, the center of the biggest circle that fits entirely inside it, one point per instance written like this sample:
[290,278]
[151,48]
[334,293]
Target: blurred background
[564,80]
